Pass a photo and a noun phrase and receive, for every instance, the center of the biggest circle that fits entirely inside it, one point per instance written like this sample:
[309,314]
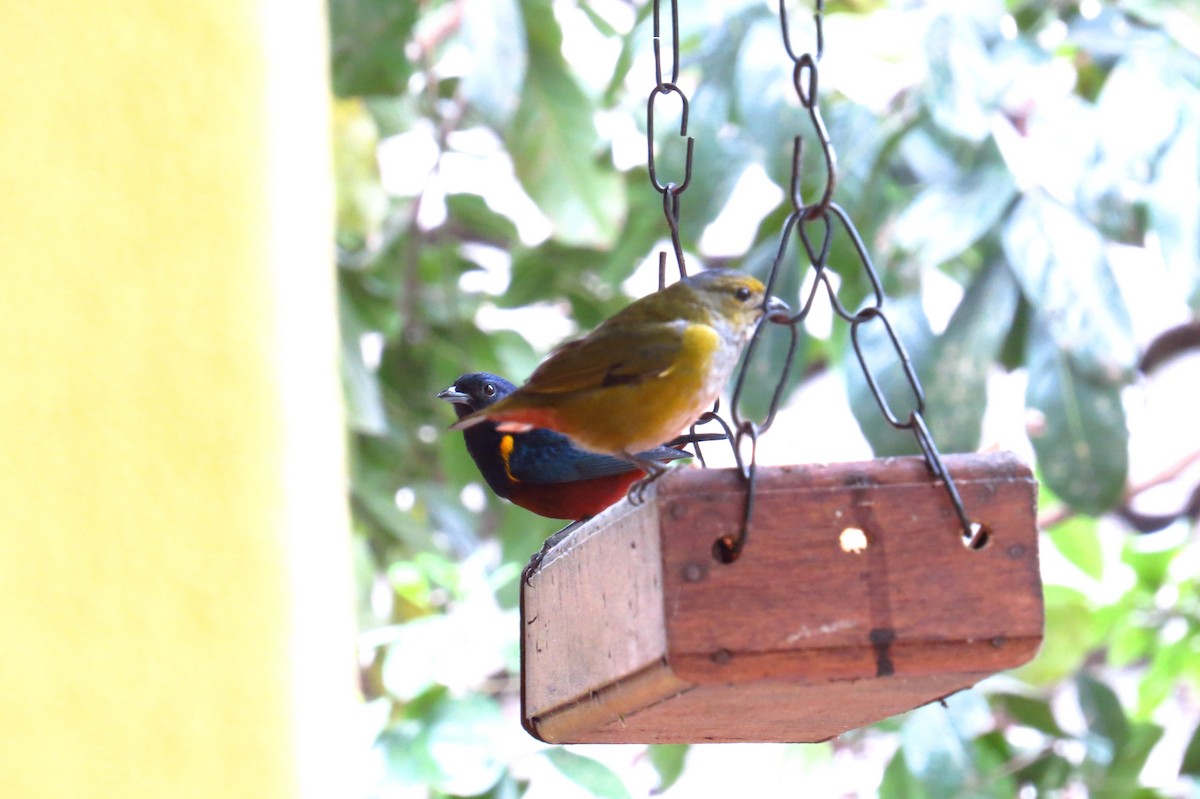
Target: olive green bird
[646,373]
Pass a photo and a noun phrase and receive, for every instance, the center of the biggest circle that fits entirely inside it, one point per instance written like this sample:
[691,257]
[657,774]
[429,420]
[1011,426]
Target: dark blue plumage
[540,470]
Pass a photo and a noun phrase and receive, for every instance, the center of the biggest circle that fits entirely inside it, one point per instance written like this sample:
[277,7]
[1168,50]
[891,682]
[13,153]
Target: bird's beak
[777,310]
[454,396]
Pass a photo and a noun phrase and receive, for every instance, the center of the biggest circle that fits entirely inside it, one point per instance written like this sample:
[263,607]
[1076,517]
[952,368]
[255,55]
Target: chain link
[670,190]
[814,224]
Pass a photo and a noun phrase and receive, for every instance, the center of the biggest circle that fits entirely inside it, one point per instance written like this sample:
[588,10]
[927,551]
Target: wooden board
[633,632]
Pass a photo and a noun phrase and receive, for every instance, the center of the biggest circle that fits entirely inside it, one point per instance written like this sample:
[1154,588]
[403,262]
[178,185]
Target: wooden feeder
[854,600]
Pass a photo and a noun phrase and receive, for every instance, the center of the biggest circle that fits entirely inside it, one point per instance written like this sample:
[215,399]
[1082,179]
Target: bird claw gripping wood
[654,470]
[535,560]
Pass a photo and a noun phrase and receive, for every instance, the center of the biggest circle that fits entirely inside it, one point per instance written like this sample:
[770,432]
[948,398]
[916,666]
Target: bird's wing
[623,355]
[591,465]
[543,457]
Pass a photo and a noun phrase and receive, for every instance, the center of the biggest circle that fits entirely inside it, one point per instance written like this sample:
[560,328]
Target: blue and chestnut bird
[540,470]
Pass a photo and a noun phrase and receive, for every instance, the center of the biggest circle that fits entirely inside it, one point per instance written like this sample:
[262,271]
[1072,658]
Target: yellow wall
[171,474]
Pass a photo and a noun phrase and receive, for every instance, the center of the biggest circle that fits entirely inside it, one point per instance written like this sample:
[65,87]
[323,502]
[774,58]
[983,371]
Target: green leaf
[762,97]
[451,745]
[1173,200]
[1081,438]
[374,505]
[1061,264]
[602,26]
[361,311]
[948,749]
[1078,540]
[1047,773]
[547,273]
[361,201]
[1121,777]
[668,760]
[957,91]
[1130,640]
[1191,757]
[631,43]
[1012,353]
[393,113]
[928,156]
[521,533]
[592,775]
[1163,678]
[722,153]
[553,142]
[956,370]
[644,226]
[364,402]
[1143,736]
[478,220]
[898,782]
[934,752]
[1150,561]
[948,217]
[1030,712]
[406,762]
[993,756]
[1104,716]
[464,744]
[513,353]
[507,788]
[367,39]
[1151,90]
[1069,637]
[366,304]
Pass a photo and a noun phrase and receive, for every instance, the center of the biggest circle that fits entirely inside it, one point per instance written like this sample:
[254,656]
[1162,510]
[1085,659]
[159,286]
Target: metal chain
[670,190]
[814,224]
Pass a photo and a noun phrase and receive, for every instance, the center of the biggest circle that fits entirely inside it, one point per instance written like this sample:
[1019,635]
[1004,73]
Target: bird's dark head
[475,391]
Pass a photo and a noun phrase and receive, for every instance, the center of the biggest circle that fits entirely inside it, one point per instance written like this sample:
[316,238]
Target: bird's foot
[535,561]
[637,492]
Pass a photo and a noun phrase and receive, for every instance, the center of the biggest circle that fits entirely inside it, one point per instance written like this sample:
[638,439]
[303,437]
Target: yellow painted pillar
[175,616]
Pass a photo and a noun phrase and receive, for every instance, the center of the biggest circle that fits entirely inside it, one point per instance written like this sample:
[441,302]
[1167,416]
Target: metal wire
[814,224]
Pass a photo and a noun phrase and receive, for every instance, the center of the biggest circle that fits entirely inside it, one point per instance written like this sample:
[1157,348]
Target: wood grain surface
[635,633]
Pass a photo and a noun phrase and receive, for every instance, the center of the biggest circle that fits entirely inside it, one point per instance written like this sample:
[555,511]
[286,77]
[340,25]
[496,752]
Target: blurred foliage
[1009,148]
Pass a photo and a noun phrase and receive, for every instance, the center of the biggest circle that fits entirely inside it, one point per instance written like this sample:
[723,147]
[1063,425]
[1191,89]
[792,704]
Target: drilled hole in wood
[977,536]
[853,540]
[725,549]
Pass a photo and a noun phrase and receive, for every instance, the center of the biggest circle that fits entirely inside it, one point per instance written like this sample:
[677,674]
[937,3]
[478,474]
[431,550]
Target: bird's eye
[742,293]
[489,389]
